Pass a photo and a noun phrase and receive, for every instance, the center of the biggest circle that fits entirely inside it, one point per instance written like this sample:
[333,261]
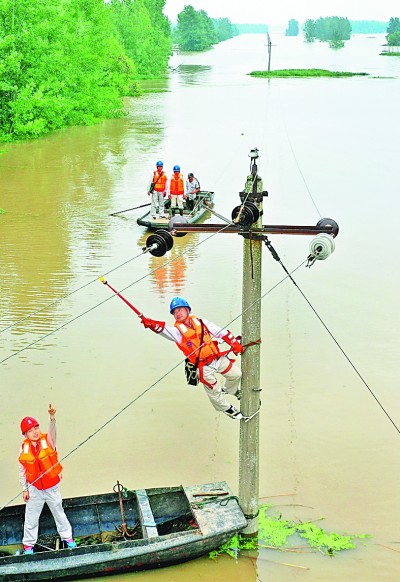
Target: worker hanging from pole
[198,340]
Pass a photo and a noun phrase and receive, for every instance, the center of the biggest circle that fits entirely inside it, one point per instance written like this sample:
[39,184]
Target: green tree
[293,28]
[61,65]
[332,28]
[144,32]
[195,30]
[393,26]
[225,29]
[394,39]
[309,30]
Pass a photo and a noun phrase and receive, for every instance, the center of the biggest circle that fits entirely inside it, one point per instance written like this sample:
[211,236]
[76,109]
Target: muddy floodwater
[330,437]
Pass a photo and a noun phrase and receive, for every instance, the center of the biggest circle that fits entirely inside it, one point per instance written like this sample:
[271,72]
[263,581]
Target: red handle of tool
[123,299]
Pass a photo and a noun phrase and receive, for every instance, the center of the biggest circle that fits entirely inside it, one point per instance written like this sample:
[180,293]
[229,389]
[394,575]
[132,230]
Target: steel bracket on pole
[252,197]
[265,229]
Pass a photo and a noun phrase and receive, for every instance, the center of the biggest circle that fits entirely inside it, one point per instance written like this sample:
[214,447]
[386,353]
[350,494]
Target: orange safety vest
[190,342]
[35,466]
[176,185]
[159,181]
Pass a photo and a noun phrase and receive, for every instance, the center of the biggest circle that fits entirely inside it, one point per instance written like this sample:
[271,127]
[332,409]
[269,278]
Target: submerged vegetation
[332,29]
[304,73]
[275,533]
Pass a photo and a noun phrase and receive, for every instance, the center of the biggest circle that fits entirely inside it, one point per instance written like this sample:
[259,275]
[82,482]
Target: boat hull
[205,527]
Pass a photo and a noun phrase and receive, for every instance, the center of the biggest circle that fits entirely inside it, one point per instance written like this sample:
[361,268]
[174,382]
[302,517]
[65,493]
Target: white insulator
[322,246]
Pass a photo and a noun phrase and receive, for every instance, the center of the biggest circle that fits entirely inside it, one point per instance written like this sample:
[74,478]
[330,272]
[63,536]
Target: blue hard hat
[178,302]
[177,168]
[159,163]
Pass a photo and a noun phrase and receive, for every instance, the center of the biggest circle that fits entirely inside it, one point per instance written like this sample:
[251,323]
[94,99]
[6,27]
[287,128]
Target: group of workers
[39,467]
[198,339]
[160,188]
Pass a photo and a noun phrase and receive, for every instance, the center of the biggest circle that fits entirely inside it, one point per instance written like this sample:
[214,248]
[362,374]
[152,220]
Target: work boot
[234,413]
[181,211]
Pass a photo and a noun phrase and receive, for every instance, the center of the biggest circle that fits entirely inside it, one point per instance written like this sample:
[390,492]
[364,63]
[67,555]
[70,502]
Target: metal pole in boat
[251,331]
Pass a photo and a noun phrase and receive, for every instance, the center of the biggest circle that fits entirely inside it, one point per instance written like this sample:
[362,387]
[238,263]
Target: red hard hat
[27,423]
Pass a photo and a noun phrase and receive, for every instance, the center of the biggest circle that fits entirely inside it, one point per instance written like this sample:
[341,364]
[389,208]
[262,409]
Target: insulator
[159,243]
[246,214]
[167,236]
[321,247]
[177,220]
[329,222]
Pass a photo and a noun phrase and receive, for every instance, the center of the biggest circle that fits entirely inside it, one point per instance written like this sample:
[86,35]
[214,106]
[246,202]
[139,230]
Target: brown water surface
[329,147]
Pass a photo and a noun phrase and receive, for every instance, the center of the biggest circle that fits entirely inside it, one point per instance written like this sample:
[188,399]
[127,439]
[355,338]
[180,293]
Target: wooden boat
[204,199]
[122,531]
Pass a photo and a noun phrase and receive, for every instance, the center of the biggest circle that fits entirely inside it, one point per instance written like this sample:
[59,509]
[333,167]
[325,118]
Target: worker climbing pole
[247,222]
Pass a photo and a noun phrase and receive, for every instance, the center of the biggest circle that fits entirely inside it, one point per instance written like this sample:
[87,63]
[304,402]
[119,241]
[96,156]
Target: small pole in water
[269,51]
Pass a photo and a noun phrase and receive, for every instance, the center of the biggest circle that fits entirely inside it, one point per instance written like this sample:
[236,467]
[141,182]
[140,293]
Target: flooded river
[329,147]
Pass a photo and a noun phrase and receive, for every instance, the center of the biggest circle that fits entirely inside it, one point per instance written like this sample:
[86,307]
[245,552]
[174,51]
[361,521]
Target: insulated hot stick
[121,297]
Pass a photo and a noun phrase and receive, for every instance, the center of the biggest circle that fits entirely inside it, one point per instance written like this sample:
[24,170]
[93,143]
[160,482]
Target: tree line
[332,29]
[70,62]
[393,32]
[337,29]
[196,31]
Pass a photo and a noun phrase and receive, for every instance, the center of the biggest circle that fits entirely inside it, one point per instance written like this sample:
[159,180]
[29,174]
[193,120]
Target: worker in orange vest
[157,191]
[197,339]
[39,475]
[177,191]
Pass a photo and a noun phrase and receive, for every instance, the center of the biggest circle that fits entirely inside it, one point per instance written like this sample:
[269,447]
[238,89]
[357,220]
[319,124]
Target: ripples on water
[319,426]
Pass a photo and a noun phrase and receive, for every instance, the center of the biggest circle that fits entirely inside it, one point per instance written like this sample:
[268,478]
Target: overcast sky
[280,11]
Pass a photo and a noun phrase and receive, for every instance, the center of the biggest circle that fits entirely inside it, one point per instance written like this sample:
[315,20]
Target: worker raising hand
[52,411]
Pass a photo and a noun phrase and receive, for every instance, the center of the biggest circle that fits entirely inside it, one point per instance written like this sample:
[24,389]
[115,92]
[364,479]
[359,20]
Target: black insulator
[246,214]
[177,220]
[329,222]
[161,240]
[167,236]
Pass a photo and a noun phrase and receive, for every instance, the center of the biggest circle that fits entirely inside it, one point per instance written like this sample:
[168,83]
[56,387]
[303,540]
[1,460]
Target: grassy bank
[304,73]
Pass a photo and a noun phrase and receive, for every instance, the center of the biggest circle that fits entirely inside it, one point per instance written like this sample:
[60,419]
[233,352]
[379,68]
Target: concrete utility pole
[251,331]
[247,221]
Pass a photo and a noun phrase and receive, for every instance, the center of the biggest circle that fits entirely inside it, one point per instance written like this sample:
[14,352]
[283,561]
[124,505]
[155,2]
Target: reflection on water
[192,74]
[168,273]
[323,441]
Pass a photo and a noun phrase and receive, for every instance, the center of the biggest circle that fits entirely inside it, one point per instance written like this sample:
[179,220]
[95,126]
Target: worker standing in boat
[177,191]
[197,340]
[39,475]
[192,189]
[158,190]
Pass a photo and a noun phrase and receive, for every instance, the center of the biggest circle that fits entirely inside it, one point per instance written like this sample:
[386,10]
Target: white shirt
[191,187]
